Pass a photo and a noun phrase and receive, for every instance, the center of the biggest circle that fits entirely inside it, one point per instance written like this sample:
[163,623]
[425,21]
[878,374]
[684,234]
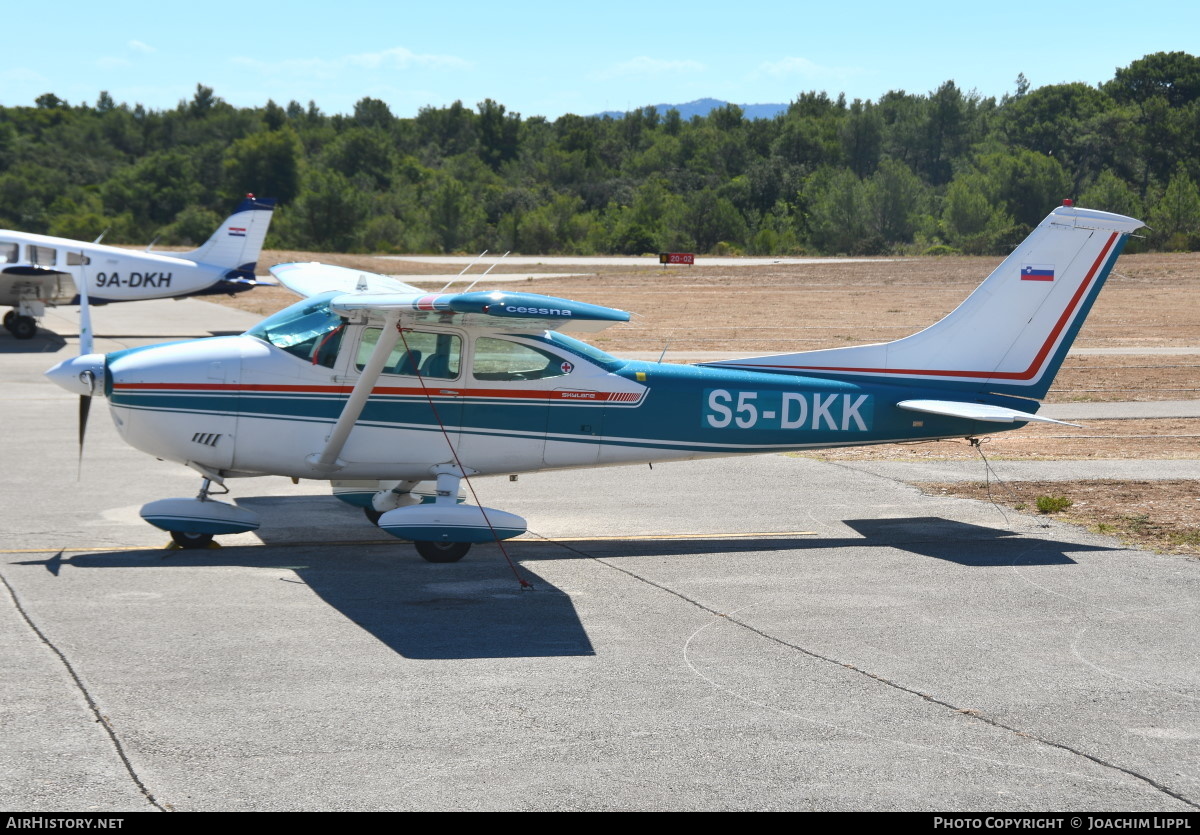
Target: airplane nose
[80,375]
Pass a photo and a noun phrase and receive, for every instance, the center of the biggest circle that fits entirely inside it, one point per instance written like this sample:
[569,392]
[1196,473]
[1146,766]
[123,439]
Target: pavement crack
[92,704]
[972,713]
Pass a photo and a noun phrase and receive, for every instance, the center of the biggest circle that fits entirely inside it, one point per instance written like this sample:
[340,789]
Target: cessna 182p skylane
[40,270]
[377,386]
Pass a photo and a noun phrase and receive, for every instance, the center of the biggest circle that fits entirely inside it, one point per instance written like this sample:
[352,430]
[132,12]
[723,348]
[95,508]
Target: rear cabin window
[75,259]
[436,356]
[500,360]
[44,256]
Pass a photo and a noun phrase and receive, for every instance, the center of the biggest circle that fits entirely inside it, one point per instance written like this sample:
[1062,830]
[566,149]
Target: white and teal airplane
[40,270]
[381,388]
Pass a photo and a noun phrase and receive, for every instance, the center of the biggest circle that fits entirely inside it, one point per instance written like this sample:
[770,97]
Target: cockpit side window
[308,330]
[9,253]
[499,359]
[436,356]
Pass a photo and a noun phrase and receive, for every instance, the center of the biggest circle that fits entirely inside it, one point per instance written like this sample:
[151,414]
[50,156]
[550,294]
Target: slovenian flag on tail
[1037,272]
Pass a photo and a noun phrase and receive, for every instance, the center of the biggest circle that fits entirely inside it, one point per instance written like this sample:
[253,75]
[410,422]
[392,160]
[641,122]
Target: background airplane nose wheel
[443,551]
[191,540]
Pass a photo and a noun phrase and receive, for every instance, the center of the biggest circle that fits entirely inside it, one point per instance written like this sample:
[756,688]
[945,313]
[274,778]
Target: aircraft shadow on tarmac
[476,608]
[472,609]
[44,342]
[929,536]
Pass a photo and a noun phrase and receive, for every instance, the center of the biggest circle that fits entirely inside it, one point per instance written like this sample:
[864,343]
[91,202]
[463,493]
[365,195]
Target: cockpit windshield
[307,329]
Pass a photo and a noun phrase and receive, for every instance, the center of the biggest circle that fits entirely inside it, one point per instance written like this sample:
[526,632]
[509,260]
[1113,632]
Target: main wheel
[8,318]
[372,514]
[189,541]
[443,551]
[23,327]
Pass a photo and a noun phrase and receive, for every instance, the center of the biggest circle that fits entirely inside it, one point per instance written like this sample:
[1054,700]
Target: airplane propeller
[85,347]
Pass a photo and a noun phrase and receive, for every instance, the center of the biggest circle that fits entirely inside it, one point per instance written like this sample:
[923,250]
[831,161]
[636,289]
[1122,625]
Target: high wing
[311,279]
[362,291]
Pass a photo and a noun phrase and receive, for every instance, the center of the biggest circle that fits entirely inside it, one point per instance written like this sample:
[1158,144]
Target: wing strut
[327,459]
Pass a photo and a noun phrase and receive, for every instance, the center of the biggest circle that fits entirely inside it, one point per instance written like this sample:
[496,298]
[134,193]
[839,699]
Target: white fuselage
[240,406]
[112,274]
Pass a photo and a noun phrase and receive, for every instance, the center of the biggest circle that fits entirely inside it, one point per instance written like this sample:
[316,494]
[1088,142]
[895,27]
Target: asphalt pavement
[760,633]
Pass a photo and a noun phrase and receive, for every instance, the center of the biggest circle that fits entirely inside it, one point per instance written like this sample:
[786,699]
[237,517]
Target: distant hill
[702,107]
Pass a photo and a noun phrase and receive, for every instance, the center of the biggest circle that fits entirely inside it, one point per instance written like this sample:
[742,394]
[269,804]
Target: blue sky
[543,58]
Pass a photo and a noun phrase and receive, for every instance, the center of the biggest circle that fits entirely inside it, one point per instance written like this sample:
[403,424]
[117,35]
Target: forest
[944,172]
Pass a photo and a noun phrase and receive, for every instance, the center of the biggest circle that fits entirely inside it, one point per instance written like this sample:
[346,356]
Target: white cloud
[643,66]
[804,68]
[23,75]
[107,62]
[395,59]
[138,46]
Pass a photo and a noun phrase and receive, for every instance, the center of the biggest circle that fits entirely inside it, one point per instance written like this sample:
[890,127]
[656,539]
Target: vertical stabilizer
[1010,335]
[239,239]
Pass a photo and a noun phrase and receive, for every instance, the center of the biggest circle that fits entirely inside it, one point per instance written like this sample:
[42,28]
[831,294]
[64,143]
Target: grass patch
[1163,515]
[1051,504]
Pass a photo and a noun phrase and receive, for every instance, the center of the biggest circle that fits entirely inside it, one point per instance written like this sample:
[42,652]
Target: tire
[8,318]
[443,551]
[190,541]
[23,327]
[372,514]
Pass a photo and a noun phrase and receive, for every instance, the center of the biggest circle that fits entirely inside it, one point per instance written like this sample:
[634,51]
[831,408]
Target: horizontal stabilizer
[976,411]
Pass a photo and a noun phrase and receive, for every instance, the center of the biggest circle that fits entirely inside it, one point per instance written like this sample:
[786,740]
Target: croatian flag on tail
[1037,272]
[237,231]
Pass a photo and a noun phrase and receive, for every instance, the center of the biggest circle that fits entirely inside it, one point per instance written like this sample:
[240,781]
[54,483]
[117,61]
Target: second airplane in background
[40,270]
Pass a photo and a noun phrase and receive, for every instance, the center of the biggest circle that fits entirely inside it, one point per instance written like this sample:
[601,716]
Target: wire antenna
[464,269]
[485,272]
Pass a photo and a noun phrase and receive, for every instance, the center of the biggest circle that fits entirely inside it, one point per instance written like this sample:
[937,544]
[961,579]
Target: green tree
[265,163]
[1175,217]
[327,215]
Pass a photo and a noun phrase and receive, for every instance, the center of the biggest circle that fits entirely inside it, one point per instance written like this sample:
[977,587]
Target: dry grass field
[1150,302]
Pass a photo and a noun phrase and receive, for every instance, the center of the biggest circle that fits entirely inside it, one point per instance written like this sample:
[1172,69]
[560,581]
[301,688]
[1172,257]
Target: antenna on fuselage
[485,272]
[464,269]
[150,245]
[102,234]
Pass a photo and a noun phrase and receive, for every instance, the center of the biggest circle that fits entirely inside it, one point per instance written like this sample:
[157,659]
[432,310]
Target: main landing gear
[189,541]
[444,530]
[19,325]
[431,551]
[442,551]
